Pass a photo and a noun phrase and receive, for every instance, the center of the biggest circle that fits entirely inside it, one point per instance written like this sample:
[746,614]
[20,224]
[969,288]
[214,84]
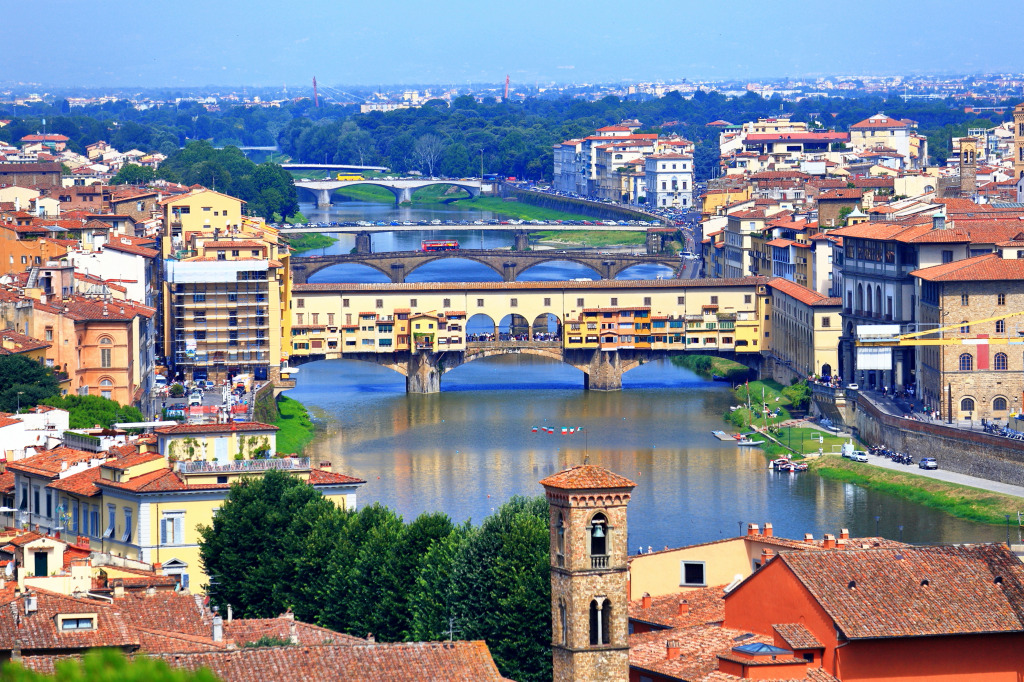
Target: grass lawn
[296,428]
[708,365]
[805,441]
[960,501]
[517,209]
[309,240]
[592,238]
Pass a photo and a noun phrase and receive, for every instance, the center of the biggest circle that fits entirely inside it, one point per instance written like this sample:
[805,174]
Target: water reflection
[468,449]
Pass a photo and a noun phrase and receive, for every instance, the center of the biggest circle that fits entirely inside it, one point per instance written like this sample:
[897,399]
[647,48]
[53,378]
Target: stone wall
[965,452]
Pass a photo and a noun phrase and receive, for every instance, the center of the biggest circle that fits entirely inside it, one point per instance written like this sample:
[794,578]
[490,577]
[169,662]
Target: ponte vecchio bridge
[602,328]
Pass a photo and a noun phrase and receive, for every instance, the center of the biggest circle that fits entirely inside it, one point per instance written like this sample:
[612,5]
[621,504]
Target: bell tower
[968,166]
[589,618]
[1018,141]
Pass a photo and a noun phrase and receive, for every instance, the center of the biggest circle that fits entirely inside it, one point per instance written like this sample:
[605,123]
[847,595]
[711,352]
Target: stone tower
[1018,141]
[968,166]
[589,616]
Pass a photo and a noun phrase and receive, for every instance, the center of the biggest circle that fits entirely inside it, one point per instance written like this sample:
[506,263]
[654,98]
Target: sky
[456,42]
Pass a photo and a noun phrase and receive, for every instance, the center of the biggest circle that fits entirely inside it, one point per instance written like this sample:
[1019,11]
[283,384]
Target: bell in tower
[590,633]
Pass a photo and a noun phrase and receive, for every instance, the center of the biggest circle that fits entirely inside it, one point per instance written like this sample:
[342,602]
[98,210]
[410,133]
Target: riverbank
[515,209]
[296,428]
[309,241]
[588,238]
[963,502]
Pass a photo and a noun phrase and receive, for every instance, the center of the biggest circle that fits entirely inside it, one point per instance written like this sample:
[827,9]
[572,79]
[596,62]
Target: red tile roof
[38,631]
[49,462]
[83,483]
[802,293]
[216,428]
[797,636]
[320,477]
[247,630]
[705,605]
[161,480]
[914,591]
[586,477]
[987,268]
[13,342]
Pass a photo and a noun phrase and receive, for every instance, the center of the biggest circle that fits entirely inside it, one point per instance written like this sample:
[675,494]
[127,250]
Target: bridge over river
[602,328]
[402,188]
[509,264]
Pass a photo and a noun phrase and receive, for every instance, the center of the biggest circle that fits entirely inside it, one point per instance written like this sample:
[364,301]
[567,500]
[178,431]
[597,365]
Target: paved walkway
[950,477]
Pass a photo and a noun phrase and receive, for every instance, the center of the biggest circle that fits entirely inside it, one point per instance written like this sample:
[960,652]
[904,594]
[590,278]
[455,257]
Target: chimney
[840,543]
[218,626]
[325,466]
[157,567]
[766,555]
[830,541]
[752,530]
[684,607]
[370,638]
[844,534]
[673,649]
[293,633]
[939,220]
[768,532]
[645,601]
[808,537]
[230,614]
[118,586]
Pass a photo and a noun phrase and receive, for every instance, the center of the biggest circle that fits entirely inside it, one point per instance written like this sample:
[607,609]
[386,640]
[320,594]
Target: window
[999,361]
[600,617]
[680,300]
[647,300]
[49,333]
[964,327]
[413,302]
[747,298]
[199,298]
[87,623]
[126,536]
[547,302]
[344,303]
[714,300]
[999,404]
[49,503]
[967,405]
[316,318]
[966,362]
[94,521]
[579,302]
[1000,326]
[300,303]
[614,301]
[479,303]
[447,302]
[599,537]
[111,520]
[299,317]
[965,299]
[172,528]
[234,254]
[563,621]
[330,319]
[1000,299]
[380,303]
[947,256]
[692,573]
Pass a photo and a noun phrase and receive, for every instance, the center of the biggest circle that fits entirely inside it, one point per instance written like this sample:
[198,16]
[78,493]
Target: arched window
[106,382]
[967,405]
[999,361]
[999,405]
[964,327]
[598,536]
[106,340]
[966,362]
[563,620]
[600,619]
[560,533]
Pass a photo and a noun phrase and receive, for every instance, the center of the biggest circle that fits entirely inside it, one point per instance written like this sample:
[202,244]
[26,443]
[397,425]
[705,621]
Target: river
[466,450]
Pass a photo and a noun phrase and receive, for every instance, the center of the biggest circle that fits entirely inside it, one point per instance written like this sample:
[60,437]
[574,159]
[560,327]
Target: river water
[466,450]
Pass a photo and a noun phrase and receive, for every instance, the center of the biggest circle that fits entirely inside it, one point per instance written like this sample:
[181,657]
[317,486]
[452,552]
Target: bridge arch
[546,327]
[308,268]
[442,255]
[396,192]
[619,267]
[626,274]
[589,264]
[515,326]
[480,327]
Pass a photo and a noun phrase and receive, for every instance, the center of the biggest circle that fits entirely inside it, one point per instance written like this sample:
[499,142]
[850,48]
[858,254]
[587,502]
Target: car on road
[928,463]
[859,456]
[195,400]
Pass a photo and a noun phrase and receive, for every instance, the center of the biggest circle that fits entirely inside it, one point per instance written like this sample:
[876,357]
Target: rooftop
[586,477]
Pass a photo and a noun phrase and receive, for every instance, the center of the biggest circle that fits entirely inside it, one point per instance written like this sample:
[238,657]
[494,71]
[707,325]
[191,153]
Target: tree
[131,174]
[107,665]
[24,383]
[427,151]
[87,411]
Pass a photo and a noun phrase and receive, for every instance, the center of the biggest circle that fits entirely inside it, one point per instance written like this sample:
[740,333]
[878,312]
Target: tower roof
[586,477]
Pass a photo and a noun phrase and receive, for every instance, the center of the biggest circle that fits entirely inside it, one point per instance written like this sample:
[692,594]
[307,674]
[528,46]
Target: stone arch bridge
[401,188]
[509,264]
[602,370]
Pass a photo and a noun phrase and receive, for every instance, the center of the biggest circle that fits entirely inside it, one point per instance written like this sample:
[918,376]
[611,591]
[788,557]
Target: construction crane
[883,338]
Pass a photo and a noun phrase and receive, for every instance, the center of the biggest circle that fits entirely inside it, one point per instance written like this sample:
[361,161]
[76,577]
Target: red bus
[439,245]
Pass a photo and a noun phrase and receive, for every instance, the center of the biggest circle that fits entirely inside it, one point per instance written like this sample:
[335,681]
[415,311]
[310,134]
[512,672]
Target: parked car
[859,456]
[195,400]
[928,463]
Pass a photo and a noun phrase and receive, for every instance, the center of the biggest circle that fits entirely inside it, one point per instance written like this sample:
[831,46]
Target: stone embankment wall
[594,209]
[965,452]
[264,407]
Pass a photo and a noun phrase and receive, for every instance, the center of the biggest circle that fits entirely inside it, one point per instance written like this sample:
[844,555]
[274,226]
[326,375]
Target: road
[949,477]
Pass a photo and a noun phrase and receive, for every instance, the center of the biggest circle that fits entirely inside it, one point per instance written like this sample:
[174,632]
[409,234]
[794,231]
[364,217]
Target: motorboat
[748,441]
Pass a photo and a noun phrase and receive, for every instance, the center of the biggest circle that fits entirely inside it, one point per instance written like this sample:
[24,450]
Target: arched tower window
[966,362]
[600,619]
[1000,360]
[999,404]
[563,621]
[599,536]
[967,405]
[560,539]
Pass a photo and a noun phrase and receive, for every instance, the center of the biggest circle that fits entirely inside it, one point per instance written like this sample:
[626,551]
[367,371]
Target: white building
[23,435]
[669,180]
[123,260]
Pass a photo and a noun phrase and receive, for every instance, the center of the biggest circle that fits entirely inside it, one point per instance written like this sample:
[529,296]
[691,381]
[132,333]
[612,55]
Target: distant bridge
[509,264]
[331,166]
[402,189]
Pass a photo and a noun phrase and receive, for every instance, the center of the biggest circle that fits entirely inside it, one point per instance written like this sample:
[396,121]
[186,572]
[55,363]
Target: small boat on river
[785,464]
[748,441]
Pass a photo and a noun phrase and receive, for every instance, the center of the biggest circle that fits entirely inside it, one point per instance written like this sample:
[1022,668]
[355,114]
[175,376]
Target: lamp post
[20,393]
[877,519]
[901,532]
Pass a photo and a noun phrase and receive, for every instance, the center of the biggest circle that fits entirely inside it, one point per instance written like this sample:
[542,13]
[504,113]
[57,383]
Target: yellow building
[805,331]
[227,290]
[13,343]
[218,443]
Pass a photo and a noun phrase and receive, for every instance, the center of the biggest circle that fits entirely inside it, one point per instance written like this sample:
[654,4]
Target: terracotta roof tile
[797,636]
[511,286]
[39,631]
[49,462]
[703,606]
[82,483]
[987,268]
[914,591]
[244,630]
[319,477]
[215,428]
[586,476]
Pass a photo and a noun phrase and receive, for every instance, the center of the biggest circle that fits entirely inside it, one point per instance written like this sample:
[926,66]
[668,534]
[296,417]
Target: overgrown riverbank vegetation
[309,241]
[296,427]
[960,501]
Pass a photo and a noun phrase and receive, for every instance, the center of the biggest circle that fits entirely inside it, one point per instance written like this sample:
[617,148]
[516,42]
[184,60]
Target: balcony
[599,561]
[244,466]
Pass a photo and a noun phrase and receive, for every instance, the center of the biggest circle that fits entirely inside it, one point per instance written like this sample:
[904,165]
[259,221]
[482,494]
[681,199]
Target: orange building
[24,246]
[889,614]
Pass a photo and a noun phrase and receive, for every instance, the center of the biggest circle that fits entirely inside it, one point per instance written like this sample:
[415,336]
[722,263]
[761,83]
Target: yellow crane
[888,340]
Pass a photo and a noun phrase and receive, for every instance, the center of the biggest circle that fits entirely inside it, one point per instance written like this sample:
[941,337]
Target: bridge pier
[398,273]
[508,271]
[604,373]
[653,243]
[424,374]
[404,197]
[363,243]
[522,240]
[323,198]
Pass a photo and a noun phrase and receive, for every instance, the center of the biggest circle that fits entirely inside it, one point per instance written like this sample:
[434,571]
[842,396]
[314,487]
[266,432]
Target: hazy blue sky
[272,42]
